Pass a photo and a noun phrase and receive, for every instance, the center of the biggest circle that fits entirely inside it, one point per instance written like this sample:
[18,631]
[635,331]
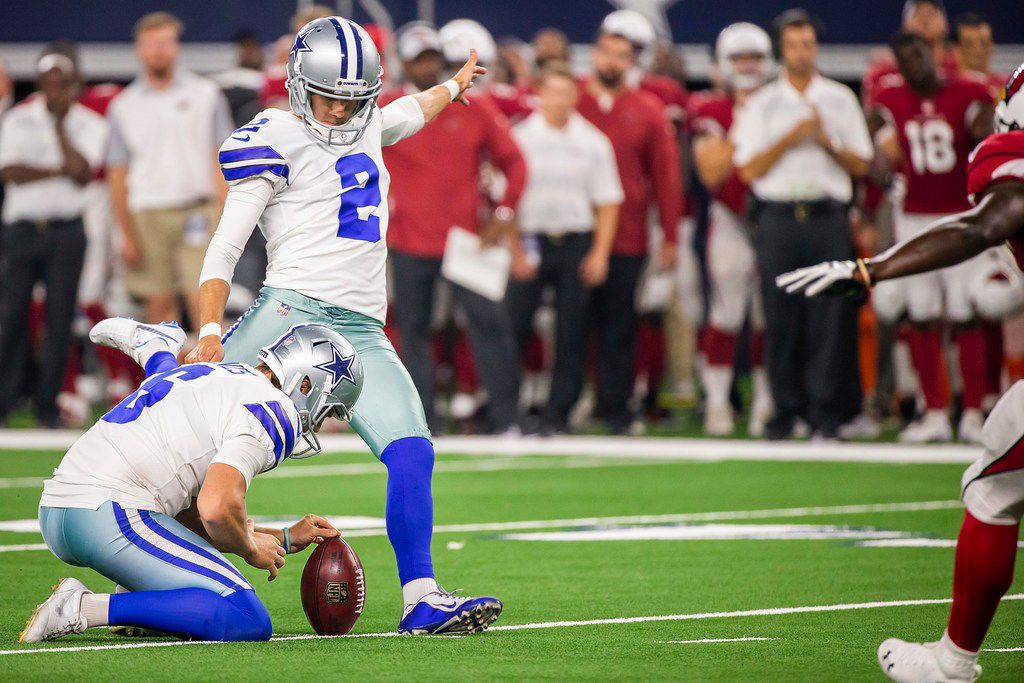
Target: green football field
[609,568]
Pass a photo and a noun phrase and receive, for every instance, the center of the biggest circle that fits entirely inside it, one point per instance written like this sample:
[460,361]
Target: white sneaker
[864,426]
[969,429]
[933,427]
[922,663]
[60,615]
[718,420]
[139,340]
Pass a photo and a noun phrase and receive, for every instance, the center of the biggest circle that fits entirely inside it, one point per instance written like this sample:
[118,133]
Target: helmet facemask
[300,90]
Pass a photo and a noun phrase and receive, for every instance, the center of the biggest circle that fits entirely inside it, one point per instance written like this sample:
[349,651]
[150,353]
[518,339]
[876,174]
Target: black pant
[51,253]
[490,336]
[810,343]
[613,318]
[560,260]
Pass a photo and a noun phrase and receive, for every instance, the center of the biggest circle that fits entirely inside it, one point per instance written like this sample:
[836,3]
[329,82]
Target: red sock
[981,576]
[994,352]
[719,347]
[971,343]
[756,348]
[463,364]
[926,352]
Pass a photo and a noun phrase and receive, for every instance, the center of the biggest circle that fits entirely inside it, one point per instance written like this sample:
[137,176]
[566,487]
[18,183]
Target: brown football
[333,588]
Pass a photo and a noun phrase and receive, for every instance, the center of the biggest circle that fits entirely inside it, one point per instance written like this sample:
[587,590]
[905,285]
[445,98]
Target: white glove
[830,277]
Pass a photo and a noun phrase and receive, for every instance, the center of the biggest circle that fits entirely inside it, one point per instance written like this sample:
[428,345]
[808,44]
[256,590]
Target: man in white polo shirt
[49,148]
[568,216]
[165,184]
[800,141]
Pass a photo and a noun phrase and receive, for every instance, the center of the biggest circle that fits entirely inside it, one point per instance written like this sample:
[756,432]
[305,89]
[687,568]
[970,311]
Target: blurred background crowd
[653,210]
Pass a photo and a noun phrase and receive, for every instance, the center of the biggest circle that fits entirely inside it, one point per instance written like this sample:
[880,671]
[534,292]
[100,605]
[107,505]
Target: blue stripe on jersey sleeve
[247,171]
[245,153]
[286,426]
[263,416]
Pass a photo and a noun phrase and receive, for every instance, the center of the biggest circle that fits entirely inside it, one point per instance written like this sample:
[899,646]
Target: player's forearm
[117,182]
[855,166]
[75,165]
[761,163]
[433,100]
[712,158]
[225,523]
[606,223]
[213,297]
[189,518]
[19,174]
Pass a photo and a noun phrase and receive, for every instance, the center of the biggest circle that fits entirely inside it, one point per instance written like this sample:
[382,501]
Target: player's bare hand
[131,252]
[208,350]
[465,76]
[520,268]
[495,231]
[594,268]
[310,529]
[808,129]
[266,552]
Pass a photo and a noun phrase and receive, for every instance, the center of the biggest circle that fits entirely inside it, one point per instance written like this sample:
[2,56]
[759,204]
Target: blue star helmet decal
[339,367]
[300,44]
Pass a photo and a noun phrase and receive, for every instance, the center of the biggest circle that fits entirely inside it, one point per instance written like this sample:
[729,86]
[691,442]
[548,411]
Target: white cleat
[60,615]
[864,426]
[933,427]
[906,662]
[969,429]
[139,340]
[718,420]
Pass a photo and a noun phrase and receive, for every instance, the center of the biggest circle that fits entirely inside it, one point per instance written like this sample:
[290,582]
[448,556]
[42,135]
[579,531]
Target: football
[333,588]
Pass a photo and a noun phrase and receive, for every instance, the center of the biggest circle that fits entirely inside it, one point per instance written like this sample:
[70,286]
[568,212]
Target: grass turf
[550,581]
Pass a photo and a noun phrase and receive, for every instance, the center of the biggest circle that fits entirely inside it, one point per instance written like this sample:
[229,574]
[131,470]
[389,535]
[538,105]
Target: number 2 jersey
[999,158]
[326,211]
[152,450]
[935,139]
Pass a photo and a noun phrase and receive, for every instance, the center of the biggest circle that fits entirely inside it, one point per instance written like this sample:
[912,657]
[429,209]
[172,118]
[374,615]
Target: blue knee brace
[409,509]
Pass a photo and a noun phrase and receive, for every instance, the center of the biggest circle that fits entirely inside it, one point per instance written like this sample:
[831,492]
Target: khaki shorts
[173,243]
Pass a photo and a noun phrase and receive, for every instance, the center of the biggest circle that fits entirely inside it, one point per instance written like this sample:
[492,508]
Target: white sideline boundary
[674,449]
[771,611]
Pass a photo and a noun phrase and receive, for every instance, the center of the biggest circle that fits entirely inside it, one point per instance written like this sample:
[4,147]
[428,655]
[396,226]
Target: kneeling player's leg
[179,583]
[987,546]
[390,419]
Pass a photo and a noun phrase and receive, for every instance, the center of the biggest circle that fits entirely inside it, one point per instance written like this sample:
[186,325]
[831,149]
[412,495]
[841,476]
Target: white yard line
[771,611]
[715,640]
[607,446]
[24,546]
[1004,649]
[724,515]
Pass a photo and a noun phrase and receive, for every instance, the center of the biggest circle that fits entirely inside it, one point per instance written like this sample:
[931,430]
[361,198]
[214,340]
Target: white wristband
[210,328]
[453,88]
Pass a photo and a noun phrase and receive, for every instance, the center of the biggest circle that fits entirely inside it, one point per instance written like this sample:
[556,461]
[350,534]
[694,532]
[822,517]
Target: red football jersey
[712,114]
[934,136]
[998,158]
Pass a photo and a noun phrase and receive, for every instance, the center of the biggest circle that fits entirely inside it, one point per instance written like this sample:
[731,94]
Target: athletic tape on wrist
[453,88]
[210,328]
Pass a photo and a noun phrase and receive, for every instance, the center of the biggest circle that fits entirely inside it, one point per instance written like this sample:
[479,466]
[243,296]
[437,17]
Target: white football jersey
[152,450]
[326,224]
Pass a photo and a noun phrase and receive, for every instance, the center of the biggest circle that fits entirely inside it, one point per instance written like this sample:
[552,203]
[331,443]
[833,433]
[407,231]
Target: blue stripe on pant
[180,583]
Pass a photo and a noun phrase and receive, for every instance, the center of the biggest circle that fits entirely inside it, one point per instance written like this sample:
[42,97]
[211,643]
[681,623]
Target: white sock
[415,590]
[953,659]
[762,394]
[717,380]
[96,609]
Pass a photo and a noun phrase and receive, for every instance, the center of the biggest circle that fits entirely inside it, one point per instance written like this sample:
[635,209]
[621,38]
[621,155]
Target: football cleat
[906,662]
[933,427]
[971,423]
[60,615]
[441,612]
[139,340]
[718,420]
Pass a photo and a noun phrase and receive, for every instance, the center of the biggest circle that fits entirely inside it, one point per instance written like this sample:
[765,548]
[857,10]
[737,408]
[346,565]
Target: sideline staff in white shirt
[49,147]
[800,142]
[568,215]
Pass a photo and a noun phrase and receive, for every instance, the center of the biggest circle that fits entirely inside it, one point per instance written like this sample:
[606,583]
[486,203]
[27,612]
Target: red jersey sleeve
[665,172]
[503,151]
[999,157]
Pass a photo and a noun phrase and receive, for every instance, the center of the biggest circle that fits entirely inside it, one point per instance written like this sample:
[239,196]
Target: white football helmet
[741,39]
[631,25]
[336,58]
[1010,108]
[459,35]
[997,288]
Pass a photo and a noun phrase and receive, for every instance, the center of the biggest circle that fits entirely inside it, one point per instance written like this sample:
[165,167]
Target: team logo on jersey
[336,592]
[283,310]
[339,367]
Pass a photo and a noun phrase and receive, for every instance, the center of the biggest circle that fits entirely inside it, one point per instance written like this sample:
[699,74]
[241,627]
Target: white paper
[478,269]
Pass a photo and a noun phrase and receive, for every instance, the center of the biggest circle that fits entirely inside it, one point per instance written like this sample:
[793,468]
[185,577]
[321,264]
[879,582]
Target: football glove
[837,278]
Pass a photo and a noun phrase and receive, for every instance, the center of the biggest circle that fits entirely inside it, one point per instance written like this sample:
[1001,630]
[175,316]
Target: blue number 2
[360,197]
[152,391]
